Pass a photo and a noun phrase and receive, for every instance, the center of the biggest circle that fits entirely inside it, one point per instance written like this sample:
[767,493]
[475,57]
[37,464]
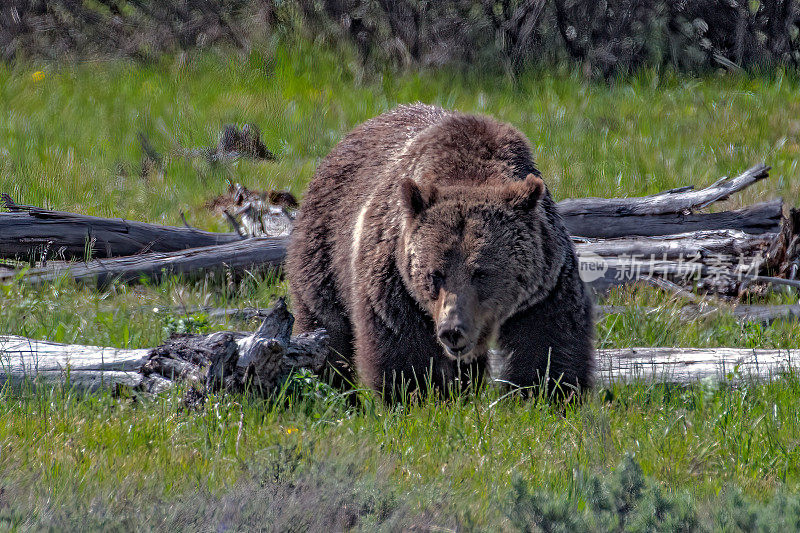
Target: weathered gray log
[47,363]
[721,280]
[725,244]
[721,261]
[56,235]
[86,367]
[61,235]
[764,217]
[719,255]
[687,365]
[230,360]
[683,199]
[238,256]
[766,314]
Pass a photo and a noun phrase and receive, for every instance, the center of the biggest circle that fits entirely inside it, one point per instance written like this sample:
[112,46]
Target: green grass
[65,455]
[711,455]
[69,140]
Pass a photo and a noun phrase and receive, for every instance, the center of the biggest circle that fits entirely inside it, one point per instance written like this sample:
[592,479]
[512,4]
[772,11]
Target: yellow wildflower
[289,431]
[38,75]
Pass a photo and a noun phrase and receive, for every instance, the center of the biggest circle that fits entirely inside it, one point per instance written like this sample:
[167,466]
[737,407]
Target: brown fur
[426,235]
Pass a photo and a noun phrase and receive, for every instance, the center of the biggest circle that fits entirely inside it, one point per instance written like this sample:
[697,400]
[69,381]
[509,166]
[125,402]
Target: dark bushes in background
[603,37]
[140,29]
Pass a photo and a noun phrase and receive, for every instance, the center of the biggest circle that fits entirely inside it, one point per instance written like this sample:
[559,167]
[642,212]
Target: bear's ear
[414,199]
[524,194]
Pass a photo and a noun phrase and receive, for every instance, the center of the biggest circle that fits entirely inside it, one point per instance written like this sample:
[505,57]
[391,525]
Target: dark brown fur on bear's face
[465,248]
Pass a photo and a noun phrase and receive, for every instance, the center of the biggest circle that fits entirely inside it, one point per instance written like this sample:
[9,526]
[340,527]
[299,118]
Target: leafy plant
[197,323]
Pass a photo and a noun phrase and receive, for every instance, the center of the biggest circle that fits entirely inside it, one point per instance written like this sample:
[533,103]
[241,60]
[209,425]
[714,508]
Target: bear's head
[470,256]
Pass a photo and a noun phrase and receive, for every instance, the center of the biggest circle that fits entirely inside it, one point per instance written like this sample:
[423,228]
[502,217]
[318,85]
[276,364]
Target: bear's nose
[452,336]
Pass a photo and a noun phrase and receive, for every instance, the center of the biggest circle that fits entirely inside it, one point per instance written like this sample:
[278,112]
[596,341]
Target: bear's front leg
[398,362]
[553,339]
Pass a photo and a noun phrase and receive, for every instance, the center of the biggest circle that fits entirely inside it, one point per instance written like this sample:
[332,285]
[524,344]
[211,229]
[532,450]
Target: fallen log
[722,261]
[85,367]
[58,235]
[63,236]
[230,360]
[44,235]
[683,199]
[705,278]
[89,367]
[764,217]
[261,360]
[718,261]
[766,314]
[687,365]
[725,244]
[237,361]
[236,257]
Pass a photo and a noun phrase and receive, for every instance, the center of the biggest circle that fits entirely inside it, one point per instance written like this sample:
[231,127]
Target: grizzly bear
[427,236]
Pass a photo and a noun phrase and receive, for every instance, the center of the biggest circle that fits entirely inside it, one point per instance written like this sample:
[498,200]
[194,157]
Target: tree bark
[727,244]
[764,217]
[91,367]
[687,365]
[678,200]
[237,257]
[226,359]
[64,236]
[60,235]
[721,259]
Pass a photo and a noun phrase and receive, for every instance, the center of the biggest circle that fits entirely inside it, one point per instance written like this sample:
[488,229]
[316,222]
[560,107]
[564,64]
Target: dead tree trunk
[687,365]
[85,367]
[60,235]
[764,217]
[650,239]
[717,261]
[57,235]
[230,360]
[220,360]
[726,244]
[683,199]
[261,361]
[236,257]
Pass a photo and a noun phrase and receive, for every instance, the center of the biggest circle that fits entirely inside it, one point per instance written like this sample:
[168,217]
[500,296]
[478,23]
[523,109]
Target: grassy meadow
[638,457]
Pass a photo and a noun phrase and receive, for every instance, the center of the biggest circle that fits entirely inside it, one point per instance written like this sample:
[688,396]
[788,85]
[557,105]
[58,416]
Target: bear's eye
[435,281]
[479,275]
